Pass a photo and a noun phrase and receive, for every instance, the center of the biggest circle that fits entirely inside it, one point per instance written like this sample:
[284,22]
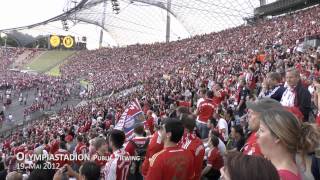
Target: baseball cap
[263,104]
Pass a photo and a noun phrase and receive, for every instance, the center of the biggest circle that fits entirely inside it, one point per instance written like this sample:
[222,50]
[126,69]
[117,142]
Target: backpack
[140,151]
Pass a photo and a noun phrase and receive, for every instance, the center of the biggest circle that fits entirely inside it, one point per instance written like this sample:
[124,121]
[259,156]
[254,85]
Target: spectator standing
[255,109]
[172,162]
[296,95]
[192,143]
[205,112]
[281,136]
[117,167]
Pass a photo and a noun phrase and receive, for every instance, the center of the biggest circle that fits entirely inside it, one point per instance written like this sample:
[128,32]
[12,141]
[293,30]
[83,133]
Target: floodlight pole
[168,20]
[103,21]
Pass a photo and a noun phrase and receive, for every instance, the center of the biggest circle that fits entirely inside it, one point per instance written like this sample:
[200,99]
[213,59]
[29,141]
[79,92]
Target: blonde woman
[281,136]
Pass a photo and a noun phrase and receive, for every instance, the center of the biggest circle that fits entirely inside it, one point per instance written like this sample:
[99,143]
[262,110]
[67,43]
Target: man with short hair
[172,162]
[88,171]
[155,146]
[219,94]
[242,94]
[296,96]
[117,167]
[251,146]
[276,89]
[63,155]
[150,122]
[205,112]
[101,156]
[137,146]
[80,149]
[192,143]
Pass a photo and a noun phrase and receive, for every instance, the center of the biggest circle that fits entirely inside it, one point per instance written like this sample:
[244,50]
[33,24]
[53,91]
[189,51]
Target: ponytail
[309,138]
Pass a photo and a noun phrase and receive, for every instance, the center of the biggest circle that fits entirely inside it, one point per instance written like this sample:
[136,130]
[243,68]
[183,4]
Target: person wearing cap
[295,95]
[254,110]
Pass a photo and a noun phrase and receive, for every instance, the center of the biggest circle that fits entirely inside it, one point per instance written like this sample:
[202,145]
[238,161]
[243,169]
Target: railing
[282,6]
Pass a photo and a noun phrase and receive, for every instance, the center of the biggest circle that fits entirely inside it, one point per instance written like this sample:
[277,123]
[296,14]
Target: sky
[149,20]
[25,12]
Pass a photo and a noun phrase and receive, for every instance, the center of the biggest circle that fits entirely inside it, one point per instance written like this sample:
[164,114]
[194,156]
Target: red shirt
[154,146]
[117,168]
[130,147]
[62,157]
[149,124]
[47,147]
[288,175]
[184,103]
[100,160]
[171,163]
[54,146]
[107,124]
[215,159]
[193,144]
[252,147]
[205,110]
[318,120]
[218,100]
[81,148]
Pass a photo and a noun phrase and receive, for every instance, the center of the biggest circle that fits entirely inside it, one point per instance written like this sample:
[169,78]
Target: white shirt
[187,93]
[155,118]
[222,124]
[288,98]
[221,146]
[311,89]
[199,101]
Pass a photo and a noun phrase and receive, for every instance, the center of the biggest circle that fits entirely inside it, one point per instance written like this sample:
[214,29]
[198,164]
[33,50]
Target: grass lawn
[54,71]
[49,61]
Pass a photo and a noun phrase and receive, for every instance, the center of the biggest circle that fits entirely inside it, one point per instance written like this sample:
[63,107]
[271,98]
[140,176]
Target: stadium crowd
[238,104]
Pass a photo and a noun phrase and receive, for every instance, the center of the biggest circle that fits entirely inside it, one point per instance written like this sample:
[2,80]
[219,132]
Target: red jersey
[218,100]
[154,146]
[47,147]
[62,157]
[205,110]
[318,120]
[117,168]
[131,147]
[184,103]
[17,150]
[252,147]
[171,163]
[81,148]
[288,175]
[149,124]
[54,146]
[107,124]
[193,144]
[215,159]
